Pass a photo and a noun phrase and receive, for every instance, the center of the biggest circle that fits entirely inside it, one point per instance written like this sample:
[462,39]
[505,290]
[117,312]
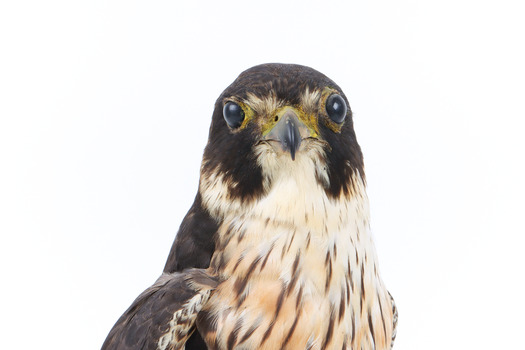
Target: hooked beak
[289,131]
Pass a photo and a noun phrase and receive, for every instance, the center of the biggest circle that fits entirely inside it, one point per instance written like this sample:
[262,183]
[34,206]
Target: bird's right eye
[233,114]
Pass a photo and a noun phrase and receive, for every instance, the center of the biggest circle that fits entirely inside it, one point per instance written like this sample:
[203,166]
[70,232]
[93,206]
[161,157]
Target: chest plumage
[299,269]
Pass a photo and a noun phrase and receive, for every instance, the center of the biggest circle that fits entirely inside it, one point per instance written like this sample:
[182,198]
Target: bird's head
[280,120]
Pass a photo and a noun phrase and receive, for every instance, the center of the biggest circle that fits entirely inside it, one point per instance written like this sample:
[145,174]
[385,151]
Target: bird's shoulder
[194,244]
[163,316]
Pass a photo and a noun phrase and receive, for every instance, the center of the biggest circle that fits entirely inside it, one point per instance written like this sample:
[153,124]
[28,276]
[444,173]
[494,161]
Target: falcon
[276,250]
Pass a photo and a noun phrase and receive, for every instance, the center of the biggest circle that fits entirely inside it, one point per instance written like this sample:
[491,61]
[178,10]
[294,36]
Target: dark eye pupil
[336,108]
[233,114]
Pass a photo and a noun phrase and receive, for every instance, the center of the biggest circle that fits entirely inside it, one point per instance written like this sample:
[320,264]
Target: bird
[276,251]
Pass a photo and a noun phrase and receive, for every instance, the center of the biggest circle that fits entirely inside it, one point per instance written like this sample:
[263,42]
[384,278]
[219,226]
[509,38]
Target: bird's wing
[194,244]
[163,316]
[394,320]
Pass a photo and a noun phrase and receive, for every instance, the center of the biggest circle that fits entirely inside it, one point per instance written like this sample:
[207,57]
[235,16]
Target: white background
[104,114]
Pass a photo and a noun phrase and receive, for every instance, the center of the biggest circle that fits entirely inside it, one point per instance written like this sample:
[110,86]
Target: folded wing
[163,316]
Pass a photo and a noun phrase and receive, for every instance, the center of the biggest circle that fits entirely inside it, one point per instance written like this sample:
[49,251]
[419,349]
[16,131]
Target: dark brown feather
[194,244]
[148,317]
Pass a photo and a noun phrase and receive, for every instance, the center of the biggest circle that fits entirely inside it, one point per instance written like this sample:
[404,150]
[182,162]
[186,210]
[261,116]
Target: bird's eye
[336,108]
[233,114]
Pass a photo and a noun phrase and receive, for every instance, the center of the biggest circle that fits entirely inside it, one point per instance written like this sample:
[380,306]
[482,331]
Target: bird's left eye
[233,114]
[336,108]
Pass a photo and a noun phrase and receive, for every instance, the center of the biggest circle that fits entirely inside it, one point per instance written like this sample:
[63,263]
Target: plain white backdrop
[104,114]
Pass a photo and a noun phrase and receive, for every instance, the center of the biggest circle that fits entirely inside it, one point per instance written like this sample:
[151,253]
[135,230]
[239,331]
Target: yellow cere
[309,120]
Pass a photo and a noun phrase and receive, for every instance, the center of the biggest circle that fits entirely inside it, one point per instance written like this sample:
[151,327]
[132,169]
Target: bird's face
[288,127]
[281,120]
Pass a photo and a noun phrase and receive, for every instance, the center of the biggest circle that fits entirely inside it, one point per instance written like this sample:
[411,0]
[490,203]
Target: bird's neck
[296,217]
[298,248]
